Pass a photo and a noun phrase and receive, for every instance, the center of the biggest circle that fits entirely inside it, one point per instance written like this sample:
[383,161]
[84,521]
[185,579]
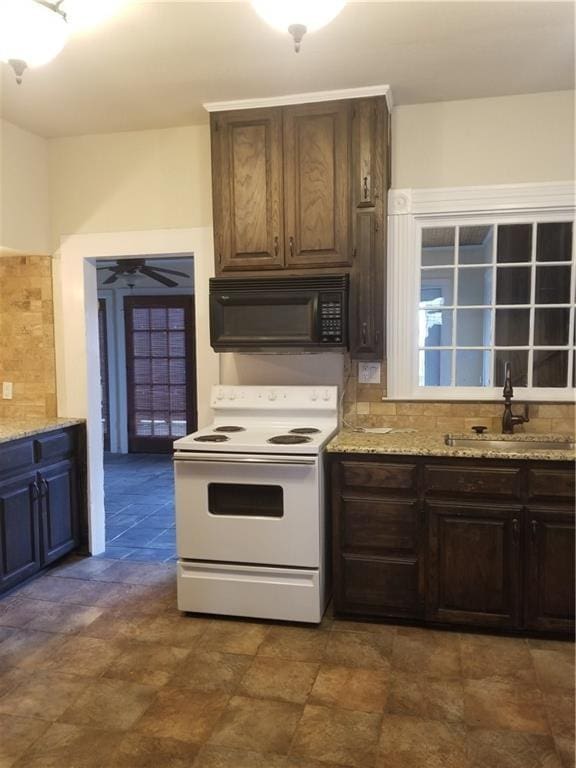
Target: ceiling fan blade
[156,276]
[111,279]
[171,271]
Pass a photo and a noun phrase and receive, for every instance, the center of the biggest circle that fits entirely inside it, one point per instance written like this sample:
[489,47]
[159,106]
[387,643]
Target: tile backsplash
[27,336]
[365,405]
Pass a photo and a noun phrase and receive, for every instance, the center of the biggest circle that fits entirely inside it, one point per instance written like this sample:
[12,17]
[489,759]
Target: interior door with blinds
[160,371]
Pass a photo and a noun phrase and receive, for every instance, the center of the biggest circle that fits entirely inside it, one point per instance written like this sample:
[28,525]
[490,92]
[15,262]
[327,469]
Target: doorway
[76,319]
[147,343]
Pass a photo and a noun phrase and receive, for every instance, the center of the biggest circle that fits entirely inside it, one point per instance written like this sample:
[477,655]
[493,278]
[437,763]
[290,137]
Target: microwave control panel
[331,319]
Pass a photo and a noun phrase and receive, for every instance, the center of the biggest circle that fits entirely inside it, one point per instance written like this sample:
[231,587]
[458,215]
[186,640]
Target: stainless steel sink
[515,444]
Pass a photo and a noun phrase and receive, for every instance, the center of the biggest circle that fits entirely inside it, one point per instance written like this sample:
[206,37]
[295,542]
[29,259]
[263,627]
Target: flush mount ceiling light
[298,16]
[33,32]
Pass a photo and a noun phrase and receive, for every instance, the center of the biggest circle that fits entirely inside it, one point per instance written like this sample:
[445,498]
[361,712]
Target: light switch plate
[7,390]
[369,373]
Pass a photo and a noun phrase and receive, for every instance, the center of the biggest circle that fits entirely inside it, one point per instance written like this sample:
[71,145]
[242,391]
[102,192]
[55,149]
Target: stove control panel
[331,318]
[274,398]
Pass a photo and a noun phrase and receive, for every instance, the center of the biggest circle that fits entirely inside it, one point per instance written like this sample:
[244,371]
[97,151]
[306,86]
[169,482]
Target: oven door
[254,321]
[248,509]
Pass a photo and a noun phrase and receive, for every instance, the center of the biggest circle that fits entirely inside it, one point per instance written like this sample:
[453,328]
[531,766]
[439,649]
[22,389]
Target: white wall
[24,202]
[139,180]
[504,140]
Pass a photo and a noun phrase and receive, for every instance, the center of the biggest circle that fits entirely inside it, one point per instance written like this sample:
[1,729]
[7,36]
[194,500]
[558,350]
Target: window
[496,293]
[474,288]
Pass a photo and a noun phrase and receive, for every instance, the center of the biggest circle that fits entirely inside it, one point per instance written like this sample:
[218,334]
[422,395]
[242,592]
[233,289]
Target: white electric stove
[250,506]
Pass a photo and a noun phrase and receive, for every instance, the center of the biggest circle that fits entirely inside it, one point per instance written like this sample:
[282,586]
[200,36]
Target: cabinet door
[19,530]
[316,184]
[367,293]
[370,161]
[369,152]
[247,189]
[474,565]
[59,510]
[549,583]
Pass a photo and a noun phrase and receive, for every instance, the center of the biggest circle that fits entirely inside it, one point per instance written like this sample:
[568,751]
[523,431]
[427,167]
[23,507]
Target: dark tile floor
[99,669]
[139,501]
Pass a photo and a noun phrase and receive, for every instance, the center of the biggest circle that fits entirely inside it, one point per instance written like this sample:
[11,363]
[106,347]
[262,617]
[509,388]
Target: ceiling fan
[129,267]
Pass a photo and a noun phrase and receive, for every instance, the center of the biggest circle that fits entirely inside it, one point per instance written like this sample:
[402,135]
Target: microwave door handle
[316,318]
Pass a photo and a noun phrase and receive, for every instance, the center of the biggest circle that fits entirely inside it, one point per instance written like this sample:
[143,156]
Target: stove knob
[231,396]
[314,395]
[271,395]
[219,395]
[326,395]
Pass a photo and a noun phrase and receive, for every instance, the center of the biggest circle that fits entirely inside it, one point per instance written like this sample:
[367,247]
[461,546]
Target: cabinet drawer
[394,477]
[374,525]
[551,484]
[380,585]
[16,456]
[472,481]
[54,446]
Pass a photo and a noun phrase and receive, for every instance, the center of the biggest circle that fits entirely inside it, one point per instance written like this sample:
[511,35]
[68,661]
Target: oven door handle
[241,459]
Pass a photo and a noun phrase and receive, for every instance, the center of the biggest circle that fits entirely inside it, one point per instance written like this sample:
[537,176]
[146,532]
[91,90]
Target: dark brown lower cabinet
[550,569]
[454,542]
[42,502]
[473,565]
[59,510]
[19,530]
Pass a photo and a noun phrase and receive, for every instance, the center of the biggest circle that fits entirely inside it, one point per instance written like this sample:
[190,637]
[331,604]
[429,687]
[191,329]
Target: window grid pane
[551,347]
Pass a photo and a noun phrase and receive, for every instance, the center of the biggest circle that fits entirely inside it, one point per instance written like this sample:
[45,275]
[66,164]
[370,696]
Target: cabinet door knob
[35,490]
[515,528]
[364,333]
[276,246]
[43,487]
[534,526]
[291,246]
[365,187]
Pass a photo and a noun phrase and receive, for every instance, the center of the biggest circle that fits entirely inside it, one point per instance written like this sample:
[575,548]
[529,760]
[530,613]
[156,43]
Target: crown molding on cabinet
[303,98]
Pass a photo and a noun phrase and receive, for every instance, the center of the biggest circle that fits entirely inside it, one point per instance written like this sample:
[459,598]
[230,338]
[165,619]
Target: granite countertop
[420,443]
[14,429]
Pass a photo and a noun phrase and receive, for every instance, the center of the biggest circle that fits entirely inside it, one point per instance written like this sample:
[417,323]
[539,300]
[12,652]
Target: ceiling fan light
[30,32]
[312,14]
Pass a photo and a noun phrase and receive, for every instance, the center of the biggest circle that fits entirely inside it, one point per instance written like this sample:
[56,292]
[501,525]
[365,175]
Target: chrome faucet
[509,419]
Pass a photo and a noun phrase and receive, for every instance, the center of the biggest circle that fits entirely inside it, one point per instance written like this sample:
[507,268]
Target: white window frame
[409,211]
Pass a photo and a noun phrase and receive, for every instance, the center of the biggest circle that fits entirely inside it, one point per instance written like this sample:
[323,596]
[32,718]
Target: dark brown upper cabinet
[370,182]
[247,189]
[316,184]
[286,186]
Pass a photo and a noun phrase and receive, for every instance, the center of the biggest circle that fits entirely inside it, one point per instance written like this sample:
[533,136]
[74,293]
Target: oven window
[259,321]
[245,500]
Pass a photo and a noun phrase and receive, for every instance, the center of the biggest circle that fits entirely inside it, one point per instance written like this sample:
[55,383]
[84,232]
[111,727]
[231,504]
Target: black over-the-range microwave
[279,314]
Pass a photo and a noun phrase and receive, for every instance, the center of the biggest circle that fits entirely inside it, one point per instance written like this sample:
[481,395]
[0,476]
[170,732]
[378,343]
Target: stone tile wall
[365,405]
[27,336]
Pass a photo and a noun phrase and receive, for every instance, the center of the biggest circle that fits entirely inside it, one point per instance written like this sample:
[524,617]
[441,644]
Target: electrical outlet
[7,390]
[369,373]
